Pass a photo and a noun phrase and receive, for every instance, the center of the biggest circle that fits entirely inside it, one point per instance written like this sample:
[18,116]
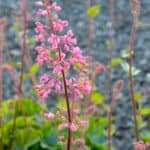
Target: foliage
[36,133]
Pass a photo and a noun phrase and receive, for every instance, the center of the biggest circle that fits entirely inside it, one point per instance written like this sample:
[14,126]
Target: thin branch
[135,10]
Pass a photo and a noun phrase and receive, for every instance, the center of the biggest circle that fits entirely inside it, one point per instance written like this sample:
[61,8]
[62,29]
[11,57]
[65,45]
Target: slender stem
[24,45]
[111,44]
[1,76]
[89,46]
[109,128]
[1,94]
[135,9]
[19,93]
[68,111]
[110,48]
[88,4]
[111,35]
[64,82]
[23,51]
[1,98]
[2,42]
[130,78]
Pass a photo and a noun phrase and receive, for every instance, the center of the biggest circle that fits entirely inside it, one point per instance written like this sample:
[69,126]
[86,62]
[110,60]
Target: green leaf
[97,97]
[116,61]
[125,53]
[28,106]
[31,40]
[52,54]
[24,140]
[61,103]
[141,24]
[137,96]
[16,26]
[20,125]
[125,67]
[95,135]
[25,76]
[145,111]
[93,11]
[135,71]
[49,140]
[34,69]
[145,135]
[109,44]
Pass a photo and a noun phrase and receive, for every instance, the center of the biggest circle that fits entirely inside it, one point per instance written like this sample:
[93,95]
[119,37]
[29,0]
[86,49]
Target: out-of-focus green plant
[145,133]
[38,133]
[96,135]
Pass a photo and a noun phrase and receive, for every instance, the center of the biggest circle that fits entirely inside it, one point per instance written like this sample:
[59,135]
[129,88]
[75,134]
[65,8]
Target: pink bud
[73,127]
[39,3]
[83,122]
[62,126]
[98,67]
[49,115]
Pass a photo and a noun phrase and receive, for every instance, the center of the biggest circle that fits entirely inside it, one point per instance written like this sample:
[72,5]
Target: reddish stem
[136,12]
[130,78]
[64,81]
[23,48]
[109,128]
[88,5]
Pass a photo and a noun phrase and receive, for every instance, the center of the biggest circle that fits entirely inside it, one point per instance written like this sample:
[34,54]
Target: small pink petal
[73,127]
[49,115]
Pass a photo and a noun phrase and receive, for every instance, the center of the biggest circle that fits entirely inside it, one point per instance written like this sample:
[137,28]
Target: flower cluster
[62,115]
[58,50]
[140,145]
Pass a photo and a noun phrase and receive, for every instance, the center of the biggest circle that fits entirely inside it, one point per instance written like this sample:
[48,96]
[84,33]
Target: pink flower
[44,78]
[41,13]
[57,69]
[42,90]
[51,83]
[54,40]
[62,126]
[83,122]
[98,67]
[55,7]
[76,111]
[68,39]
[39,37]
[77,56]
[140,145]
[49,115]
[58,51]
[39,3]
[66,47]
[73,127]
[58,24]
[58,86]
[84,85]
[39,27]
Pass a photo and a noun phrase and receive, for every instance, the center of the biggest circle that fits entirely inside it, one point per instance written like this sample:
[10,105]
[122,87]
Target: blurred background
[109,40]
